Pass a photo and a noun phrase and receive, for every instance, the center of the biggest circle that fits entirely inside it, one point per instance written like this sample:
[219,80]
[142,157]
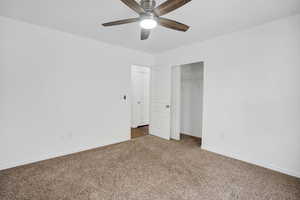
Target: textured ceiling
[207,18]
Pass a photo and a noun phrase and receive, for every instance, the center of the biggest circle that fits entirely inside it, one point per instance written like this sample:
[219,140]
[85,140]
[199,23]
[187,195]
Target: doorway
[187,102]
[140,94]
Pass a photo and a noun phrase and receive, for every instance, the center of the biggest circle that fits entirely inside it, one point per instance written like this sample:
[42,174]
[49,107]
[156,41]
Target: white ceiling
[207,18]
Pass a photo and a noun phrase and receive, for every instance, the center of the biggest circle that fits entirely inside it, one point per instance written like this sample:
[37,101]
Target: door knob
[167,106]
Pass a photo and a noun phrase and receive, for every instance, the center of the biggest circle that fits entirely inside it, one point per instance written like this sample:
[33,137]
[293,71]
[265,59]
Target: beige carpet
[146,168]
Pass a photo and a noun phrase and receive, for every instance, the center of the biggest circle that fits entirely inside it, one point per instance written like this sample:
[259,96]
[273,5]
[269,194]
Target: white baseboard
[255,162]
[190,134]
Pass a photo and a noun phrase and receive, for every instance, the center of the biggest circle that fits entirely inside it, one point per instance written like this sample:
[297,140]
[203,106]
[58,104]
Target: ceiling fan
[150,16]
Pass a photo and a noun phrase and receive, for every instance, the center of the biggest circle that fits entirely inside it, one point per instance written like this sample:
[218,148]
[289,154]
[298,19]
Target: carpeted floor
[146,168]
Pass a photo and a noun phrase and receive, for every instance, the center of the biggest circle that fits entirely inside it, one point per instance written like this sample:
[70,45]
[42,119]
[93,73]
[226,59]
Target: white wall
[60,93]
[251,93]
[191,99]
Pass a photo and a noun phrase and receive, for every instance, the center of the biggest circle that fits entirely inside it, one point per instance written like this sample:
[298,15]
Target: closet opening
[187,103]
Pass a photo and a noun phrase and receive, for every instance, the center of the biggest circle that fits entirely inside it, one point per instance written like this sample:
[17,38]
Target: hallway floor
[139,131]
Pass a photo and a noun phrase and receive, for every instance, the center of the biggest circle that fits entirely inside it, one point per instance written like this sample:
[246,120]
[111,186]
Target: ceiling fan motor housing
[148,5]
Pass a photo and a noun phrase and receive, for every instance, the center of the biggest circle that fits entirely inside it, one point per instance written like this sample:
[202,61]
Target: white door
[160,102]
[144,96]
[140,78]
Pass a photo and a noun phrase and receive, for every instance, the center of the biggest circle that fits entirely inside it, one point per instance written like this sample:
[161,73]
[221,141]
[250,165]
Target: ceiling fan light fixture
[148,23]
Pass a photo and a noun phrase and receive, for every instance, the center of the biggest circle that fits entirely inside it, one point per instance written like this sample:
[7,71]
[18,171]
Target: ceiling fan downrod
[148,5]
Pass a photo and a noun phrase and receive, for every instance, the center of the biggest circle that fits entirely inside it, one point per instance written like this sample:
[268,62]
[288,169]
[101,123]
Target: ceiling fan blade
[145,33]
[168,23]
[169,6]
[123,21]
[134,6]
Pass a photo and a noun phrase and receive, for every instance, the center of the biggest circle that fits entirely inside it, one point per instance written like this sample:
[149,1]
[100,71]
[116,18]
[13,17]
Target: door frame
[131,94]
[176,99]
[175,102]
